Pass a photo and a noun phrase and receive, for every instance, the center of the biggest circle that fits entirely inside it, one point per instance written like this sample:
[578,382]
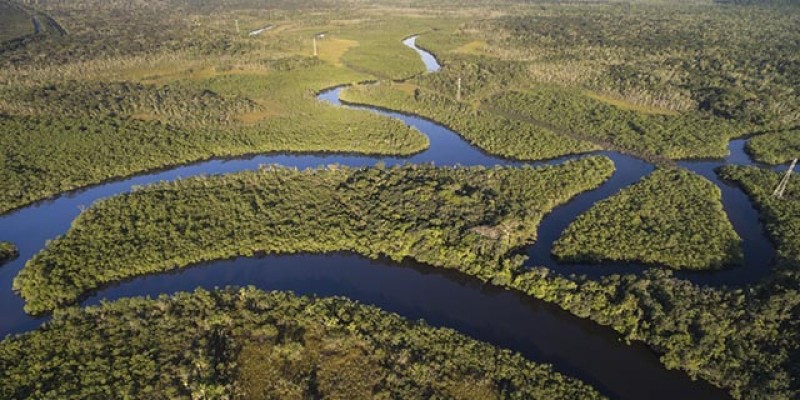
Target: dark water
[537,330]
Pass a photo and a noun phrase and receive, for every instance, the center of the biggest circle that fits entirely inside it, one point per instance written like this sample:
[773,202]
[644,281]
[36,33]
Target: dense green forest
[781,216]
[672,217]
[743,340]
[100,99]
[250,344]
[463,218]
[7,252]
[44,156]
[63,136]
[491,132]
[776,147]
[746,340]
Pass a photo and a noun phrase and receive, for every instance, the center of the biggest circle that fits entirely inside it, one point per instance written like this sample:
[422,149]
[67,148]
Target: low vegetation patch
[380,51]
[250,344]
[627,105]
[462,218]
[672,217]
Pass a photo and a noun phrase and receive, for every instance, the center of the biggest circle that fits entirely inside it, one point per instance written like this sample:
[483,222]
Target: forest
[671,217]
[467,219]
[160,100]
[776,147]
[65,136]
[726,70]
[781,216]
[7,252]
[92,98]
[743,339]
[687,135]
[491,132]
[249,344]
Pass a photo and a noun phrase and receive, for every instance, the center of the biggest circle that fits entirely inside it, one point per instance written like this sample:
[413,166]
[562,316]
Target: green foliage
[776,147]
[76,134]
[688,135]
[174,104]
[745,340]
[7,252]
[491,132]
[380,51]
[672,217]
[738,62]
[462,218]
[188,92]
[44,156]
[254,345]
[741,340]
[781,216]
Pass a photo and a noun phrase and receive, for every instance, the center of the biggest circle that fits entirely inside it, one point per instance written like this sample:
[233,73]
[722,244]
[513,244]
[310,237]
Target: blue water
[537,330]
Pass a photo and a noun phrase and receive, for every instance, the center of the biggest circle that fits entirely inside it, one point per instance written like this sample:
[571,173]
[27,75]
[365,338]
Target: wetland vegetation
[775,147]
[489,131]
[467,219]
[250,344]
[672,217]
[7,252]
[91,98]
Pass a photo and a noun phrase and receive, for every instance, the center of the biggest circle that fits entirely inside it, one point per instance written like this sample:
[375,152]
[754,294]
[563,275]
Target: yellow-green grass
[628,105]
[473,47]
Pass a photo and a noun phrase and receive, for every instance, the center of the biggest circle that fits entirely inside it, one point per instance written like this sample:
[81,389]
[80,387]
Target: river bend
[540,331]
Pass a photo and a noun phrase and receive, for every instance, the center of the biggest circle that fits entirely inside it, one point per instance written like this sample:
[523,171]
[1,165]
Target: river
[539,331]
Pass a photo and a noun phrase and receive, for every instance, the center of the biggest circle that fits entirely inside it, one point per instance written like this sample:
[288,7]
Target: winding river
[540,331]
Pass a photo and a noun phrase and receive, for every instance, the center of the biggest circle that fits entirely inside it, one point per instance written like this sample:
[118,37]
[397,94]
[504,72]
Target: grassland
[254,345]
[467,219]
[672,218]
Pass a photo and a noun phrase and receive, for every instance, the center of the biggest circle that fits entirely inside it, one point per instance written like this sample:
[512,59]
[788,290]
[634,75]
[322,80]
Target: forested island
[671,218]
[7,252]
[468,219]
